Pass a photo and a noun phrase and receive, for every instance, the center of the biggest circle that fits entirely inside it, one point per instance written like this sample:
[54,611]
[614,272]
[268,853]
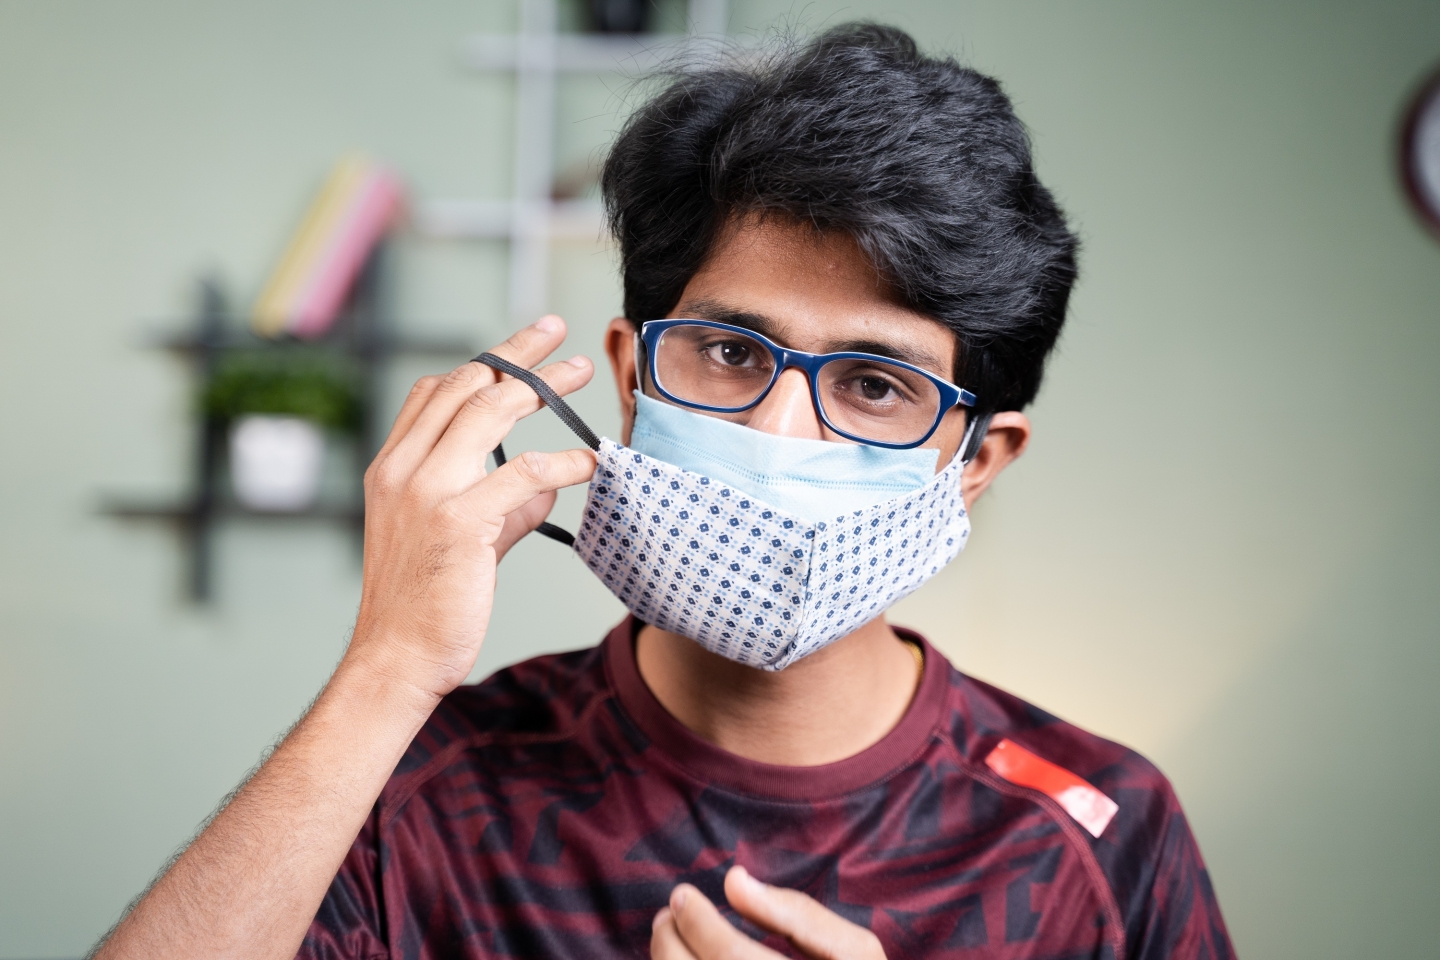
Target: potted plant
[278,404]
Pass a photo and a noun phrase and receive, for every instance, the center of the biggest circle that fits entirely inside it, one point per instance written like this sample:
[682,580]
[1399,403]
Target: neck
[828,706]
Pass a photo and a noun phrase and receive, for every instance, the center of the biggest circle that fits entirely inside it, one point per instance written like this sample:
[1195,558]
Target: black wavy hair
[921,160]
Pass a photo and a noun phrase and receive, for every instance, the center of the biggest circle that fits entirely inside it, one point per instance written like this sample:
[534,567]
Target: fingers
[526,348]
[458,459]
[522,521]
[522,480]
[707,934]
[665,940]
[818,932]
[419,395]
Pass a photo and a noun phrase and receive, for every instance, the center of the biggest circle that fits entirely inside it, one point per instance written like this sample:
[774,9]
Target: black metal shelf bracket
[362,335]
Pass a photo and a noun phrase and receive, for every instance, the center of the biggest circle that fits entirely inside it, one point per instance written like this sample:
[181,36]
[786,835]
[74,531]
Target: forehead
[813,291]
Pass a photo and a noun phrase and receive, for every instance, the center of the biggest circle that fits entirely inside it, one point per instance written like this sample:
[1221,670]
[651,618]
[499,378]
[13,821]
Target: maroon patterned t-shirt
[549,811]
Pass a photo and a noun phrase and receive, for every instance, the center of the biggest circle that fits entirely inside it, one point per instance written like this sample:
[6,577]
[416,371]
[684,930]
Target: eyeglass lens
[869,398]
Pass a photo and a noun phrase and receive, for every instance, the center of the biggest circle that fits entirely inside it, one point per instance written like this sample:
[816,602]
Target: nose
[787,410]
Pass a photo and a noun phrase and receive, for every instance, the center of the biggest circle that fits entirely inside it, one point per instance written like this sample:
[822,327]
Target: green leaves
[285,382]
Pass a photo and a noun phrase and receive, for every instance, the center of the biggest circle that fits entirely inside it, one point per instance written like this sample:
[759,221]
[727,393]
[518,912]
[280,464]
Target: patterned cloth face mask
[746,579]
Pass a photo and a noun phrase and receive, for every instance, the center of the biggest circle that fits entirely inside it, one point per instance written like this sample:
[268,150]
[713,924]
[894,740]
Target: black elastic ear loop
[977,437]
[562,410]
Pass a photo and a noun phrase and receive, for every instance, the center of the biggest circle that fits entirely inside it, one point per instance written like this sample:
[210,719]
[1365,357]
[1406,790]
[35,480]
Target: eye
[731,353]
[876,389]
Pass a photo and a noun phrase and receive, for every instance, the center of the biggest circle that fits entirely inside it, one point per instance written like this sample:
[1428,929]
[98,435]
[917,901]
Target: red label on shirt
[1090,808]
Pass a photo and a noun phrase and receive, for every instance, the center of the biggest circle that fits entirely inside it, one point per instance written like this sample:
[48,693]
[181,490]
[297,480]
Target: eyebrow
[767,327]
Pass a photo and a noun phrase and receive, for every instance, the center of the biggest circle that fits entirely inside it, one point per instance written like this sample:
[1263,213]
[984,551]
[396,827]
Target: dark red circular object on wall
[1420,152]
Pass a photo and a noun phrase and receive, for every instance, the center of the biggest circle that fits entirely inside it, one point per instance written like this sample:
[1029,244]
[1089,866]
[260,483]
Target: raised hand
[437,524]
[691,928]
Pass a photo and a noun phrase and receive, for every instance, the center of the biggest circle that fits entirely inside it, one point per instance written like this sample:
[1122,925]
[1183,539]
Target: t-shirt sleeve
[1183,919]
[350,922]
[1160,881]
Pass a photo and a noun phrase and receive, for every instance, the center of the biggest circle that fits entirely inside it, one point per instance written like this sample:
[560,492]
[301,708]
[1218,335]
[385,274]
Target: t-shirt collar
[704,761]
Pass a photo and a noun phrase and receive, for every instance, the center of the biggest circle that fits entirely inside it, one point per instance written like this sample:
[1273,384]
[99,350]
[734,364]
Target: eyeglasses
[869,399]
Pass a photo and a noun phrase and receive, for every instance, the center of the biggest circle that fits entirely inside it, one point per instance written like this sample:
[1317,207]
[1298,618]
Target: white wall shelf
[531,218]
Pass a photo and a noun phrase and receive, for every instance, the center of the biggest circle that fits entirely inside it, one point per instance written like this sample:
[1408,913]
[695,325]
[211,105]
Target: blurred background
[1223,548]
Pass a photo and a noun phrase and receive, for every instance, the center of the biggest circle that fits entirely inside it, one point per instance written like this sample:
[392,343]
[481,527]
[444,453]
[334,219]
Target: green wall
[1222,549]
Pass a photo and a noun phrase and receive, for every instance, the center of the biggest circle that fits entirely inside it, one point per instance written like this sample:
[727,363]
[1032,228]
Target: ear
[1007,438]
[620,348]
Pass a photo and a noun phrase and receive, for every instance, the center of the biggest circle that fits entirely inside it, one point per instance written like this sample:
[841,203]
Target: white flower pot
[275,462]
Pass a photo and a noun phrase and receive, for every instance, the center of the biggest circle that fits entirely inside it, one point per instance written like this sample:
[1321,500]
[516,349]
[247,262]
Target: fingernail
[660,918]
[548,324]
[677,899]
[579,362]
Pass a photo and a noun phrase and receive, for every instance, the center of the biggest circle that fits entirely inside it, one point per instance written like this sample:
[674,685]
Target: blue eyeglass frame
[951,396]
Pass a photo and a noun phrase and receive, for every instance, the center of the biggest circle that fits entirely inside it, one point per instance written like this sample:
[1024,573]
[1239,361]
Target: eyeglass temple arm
[642,361]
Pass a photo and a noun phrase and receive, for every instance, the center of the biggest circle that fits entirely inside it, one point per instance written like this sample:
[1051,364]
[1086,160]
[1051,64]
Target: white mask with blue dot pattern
[748,580]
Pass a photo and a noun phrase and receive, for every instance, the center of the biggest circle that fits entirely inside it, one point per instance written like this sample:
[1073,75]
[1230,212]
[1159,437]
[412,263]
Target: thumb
[819,933]
[520,522]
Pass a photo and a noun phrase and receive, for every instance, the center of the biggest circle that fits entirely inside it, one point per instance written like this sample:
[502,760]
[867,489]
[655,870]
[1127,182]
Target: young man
[842,279]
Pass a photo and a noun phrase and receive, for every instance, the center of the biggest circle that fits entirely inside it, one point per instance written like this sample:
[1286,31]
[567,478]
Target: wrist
[384,685]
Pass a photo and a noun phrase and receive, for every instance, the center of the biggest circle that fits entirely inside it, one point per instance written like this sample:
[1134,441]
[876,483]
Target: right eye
[731,353]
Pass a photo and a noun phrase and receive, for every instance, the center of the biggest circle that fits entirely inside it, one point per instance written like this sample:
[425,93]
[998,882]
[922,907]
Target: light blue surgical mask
[812,479]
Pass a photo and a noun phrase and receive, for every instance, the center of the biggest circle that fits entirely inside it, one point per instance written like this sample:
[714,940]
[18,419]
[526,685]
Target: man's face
[817,293]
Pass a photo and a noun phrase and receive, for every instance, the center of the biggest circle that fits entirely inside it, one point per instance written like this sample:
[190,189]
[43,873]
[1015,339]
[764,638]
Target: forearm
[251,882]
